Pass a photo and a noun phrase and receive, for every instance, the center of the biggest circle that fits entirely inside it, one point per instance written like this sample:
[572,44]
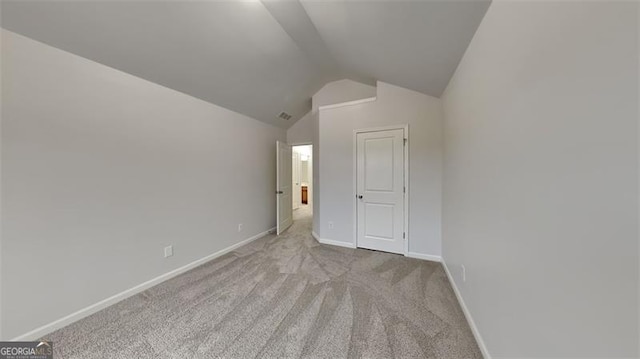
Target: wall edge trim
[426,257]
[332,242]
[467,313]
[348,103]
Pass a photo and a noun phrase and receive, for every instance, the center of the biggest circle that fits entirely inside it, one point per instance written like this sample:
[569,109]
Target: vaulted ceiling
[259,58]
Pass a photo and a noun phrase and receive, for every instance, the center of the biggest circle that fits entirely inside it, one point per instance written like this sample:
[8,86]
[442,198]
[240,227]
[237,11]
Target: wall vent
[285,116]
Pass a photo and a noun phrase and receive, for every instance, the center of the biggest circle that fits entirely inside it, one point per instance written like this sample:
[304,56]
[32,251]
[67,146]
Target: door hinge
[404,235]
[404,189]
[405,141]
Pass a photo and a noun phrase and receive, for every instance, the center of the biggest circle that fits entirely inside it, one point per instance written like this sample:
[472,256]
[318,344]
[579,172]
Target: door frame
[310,189]
[295,167]
[404,127]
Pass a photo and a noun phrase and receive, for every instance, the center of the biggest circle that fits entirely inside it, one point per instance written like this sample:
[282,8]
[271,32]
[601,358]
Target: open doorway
[302,178]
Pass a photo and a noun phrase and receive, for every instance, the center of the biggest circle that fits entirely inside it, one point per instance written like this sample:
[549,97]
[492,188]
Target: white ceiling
[259,57]
[413,44]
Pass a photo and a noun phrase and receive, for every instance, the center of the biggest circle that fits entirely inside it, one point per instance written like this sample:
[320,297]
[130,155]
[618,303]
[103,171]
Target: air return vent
[284,116]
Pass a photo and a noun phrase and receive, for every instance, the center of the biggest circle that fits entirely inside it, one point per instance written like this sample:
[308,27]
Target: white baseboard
[82,313]
[426,257]
[467,313]
[331,242]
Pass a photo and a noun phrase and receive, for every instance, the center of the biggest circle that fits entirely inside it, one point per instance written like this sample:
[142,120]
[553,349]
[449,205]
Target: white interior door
[297,188]
[283,186]
[380,190]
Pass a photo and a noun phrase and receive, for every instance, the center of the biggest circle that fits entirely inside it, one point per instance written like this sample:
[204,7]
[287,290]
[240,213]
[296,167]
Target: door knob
[359,196]
[279,192]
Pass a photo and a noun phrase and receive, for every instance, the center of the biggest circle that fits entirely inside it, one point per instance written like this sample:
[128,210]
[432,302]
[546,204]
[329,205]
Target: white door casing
[380,190]
[310,179]
[283,187]
[297,188]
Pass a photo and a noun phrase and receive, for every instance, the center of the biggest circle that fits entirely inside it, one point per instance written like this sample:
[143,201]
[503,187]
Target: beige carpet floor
[284,297]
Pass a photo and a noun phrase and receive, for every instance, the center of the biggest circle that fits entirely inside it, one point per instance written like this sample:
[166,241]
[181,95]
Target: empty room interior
[319,179]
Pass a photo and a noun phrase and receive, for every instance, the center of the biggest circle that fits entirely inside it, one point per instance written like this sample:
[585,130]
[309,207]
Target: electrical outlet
[330,225]
[464,273]
[168,251]
[240,227]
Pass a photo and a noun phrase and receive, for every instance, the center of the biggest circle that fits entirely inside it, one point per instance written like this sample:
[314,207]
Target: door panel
[283,187]
[378,166]
[378,221]
[380,190]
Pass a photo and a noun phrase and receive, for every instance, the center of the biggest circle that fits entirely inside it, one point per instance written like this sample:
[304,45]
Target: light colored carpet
[280,297]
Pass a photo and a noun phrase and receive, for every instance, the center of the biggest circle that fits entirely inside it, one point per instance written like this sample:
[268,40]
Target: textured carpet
[279,297]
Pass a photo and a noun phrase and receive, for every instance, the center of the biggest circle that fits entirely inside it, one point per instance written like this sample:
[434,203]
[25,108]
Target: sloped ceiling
[255,57]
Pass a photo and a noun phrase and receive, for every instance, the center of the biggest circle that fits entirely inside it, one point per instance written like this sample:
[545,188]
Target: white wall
[308,127]
[302,131]
[638,149]
[1,196]
[341,91]
[394,106]
[541,182]
[101,170]
[304,172]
